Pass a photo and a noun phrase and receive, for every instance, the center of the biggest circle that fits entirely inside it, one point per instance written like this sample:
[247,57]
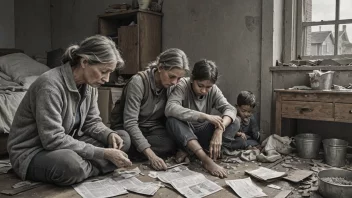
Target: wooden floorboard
[52,191]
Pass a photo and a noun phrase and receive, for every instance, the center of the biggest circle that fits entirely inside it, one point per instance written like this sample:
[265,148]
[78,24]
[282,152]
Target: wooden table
[335,106]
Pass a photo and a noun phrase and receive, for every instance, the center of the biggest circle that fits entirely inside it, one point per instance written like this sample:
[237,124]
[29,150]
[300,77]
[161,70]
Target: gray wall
[227,32]
[287,79]
[73,20]
[7,24]
[32,29]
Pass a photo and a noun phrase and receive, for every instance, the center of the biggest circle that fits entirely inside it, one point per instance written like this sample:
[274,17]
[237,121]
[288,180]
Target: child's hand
[242,135]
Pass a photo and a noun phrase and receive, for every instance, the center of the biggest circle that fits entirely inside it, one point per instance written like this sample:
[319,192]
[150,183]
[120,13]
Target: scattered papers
[283,194]
[153,174]
[135,185]
[99,189]
[24,183]
[274,186]
[126,173]
[245,188]
[265,174]
[189,183]
[5,166]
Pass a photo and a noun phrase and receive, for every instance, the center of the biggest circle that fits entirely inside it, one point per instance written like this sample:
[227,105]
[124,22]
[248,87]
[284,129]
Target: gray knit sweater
[150,114]
[184,105]
[46,116]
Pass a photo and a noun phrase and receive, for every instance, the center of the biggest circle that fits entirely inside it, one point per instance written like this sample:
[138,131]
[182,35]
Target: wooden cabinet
[137,34]
[107,96]
[333,106]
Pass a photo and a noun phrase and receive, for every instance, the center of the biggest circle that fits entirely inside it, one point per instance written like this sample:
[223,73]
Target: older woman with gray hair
[140,111]
[57,135]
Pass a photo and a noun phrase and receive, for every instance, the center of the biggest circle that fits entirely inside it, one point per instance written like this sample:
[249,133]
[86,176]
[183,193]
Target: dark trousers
[160,142]
[183,132]
[65,167]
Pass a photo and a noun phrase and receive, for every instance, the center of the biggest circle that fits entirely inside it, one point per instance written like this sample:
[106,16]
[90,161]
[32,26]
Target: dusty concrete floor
[237,172]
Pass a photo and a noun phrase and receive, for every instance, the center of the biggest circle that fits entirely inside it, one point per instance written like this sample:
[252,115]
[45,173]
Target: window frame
[301,25]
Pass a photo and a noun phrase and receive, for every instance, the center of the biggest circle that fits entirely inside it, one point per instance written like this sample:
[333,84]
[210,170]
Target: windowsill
[311,68]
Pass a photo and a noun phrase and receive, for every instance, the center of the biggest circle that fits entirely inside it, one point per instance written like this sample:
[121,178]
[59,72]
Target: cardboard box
[107,96]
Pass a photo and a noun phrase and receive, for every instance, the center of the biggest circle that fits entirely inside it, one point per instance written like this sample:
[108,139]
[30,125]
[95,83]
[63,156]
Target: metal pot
[331,190]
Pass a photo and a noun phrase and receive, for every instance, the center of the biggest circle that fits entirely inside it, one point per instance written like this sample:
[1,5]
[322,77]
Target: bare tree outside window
[325,28]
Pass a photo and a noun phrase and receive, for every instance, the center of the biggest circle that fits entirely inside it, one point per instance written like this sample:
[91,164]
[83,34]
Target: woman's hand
[115,141]
[216,121]
[117,157]
[215,144]
[157,163]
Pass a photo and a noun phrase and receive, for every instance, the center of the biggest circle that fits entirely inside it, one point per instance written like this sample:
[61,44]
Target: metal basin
[333,190]
[308,145]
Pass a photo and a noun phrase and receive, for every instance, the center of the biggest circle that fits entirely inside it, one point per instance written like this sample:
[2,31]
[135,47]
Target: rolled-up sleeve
[222,105]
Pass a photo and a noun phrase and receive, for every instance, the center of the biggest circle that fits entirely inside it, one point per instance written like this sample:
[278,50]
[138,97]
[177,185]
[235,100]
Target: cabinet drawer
[307,110]
[343,112]
[311,97]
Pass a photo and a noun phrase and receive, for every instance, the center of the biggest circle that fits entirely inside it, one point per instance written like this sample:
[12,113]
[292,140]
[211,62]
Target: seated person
[190,120]
[141,108]
[248,134]
[57,135]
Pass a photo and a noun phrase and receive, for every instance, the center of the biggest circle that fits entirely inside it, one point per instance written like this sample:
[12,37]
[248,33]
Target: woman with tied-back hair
[190,121]
[57,135]
[140,111]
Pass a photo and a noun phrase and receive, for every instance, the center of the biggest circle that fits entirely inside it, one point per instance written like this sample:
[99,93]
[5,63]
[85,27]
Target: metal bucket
[332,190]
[335,152]
[308,145]
[323,82]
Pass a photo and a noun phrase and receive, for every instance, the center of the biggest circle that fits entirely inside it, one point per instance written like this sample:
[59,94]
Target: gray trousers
[65,167]
[160,142]
[183,132]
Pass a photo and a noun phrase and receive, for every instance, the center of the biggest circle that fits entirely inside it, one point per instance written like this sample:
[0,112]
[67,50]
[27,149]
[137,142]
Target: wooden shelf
[127,13]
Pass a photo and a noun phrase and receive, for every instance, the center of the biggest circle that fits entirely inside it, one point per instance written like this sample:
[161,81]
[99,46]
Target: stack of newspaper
[189,183]
[265,174]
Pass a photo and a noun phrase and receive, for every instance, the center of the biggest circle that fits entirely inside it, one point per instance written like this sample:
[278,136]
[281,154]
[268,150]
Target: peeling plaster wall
[32,19]
[73,20]
[227,32]
[7,24]
[287,79]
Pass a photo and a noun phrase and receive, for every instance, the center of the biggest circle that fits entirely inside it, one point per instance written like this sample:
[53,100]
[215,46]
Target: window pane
[319,40]
[345,9]
[345,36]
[319,10]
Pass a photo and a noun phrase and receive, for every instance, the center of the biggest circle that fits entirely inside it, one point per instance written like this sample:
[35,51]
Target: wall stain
[252,22]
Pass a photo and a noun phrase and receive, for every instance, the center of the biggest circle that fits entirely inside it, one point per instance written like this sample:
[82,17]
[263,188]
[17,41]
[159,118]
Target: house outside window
[324,29]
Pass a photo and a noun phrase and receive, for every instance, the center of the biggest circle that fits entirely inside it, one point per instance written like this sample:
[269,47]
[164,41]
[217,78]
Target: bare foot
[181,156]
[214,169]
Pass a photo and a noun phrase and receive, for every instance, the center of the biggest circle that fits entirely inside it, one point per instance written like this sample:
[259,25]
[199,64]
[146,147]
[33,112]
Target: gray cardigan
[184,105]
[46,116]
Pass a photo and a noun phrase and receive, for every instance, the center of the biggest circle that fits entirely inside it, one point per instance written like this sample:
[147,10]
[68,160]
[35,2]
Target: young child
[248,134]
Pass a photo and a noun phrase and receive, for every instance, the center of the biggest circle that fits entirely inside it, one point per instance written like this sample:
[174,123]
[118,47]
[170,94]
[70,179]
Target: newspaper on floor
[189,183]
[99,189]
[175,173]
[126,173]
[135,185]
[245,188]
[265,174]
